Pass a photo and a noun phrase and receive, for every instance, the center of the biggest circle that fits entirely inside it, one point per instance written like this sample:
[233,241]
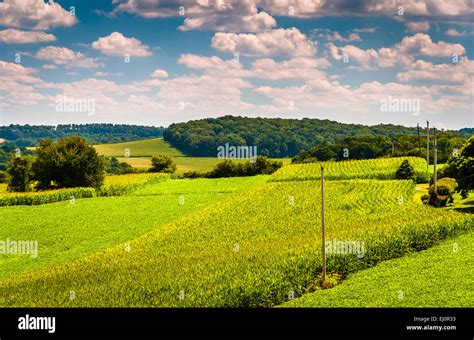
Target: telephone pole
[419,143]
[428,147]
[323,227]
[435,157]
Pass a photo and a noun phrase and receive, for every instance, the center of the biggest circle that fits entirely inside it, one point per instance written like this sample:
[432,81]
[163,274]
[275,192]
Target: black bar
[240,323]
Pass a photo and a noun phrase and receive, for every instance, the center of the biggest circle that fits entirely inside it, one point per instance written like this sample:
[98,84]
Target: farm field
[383,168]
[249,249]
[140,148]
[441,276]
[140,153]
[66,231]
[185,164]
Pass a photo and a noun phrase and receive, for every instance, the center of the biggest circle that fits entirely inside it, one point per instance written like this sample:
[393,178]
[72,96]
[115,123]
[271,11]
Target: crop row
[381,168]
[254,249]
[113,186]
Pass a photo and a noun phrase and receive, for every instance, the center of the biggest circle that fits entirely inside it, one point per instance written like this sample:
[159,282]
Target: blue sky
[142,62]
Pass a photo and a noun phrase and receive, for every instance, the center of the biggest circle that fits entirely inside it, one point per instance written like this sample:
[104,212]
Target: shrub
[19,174]
[66,163]
[162,163]
[229,168]
[194,174]
[425,198]
[113,166]
[3,177]
[446,187]
[405,171]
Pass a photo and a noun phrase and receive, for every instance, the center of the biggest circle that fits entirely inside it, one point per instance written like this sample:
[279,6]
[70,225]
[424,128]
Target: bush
[446,187]
[113,166]
[405,171]
[229,168]
[19,174]
[66,163]
[425,198]
[194,174]
[3,177]
[162,163]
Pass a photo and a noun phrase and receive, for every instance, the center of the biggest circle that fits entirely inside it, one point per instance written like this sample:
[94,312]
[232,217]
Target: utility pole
[323,228]
[435,156]
[419,143]
[428,147]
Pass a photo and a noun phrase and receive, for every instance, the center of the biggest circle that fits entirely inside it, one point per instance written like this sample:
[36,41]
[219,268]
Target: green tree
[405,171]
[460,166]
[162,163]
[19,174]
[113,166]
[69,162]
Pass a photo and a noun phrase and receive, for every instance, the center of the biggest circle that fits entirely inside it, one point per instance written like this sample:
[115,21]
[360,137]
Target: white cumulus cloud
[116,44]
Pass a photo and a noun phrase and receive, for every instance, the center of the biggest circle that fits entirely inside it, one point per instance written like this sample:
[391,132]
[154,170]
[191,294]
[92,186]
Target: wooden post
[323,227]
[435,157]
[419,143]
[427,147]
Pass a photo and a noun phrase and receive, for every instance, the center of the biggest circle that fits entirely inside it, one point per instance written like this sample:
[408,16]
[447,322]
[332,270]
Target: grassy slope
[278,248]
[141,152]
[66,231]
[141,148]
[436,277]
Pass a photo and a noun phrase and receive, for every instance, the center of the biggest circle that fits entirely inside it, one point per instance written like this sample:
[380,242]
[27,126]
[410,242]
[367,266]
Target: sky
[158,62]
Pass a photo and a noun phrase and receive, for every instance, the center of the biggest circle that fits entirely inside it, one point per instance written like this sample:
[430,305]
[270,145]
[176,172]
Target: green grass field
[249,249]
[235,242]
[68,231]
[441,276]
[141,148]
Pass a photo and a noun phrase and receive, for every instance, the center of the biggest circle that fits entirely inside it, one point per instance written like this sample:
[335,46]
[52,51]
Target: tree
[228,168]
[405,171]
[113,166]
[162,163]
[19,174]
[67,163]
[324,152]
[460,167]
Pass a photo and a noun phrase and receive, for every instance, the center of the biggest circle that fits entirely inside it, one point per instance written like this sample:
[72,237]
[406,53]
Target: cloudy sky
[156,62]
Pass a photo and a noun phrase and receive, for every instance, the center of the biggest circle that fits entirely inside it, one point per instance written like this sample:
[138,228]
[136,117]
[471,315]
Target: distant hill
[29,135]
[274,137]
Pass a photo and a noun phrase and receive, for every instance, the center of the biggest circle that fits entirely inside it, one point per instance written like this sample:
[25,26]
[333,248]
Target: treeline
[367,147]
[277,137]
[30,135]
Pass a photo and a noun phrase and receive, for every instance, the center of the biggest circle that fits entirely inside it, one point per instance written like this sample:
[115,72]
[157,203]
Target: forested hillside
[276,137]
[29,135]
